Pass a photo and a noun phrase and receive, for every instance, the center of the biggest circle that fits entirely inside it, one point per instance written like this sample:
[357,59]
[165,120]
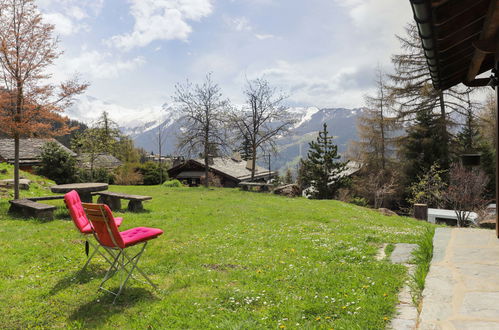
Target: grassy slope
[39,186]
[228,258]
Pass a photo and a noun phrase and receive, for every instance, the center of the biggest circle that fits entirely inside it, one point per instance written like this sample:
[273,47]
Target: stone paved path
[407,314]
[462,287]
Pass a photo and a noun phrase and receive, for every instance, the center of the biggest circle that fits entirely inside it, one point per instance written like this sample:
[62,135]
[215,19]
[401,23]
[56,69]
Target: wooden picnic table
[113,200]
[85,190]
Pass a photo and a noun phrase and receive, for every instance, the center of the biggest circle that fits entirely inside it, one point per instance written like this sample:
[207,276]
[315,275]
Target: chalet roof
[30,150]
[351,168]
[102,160]
[229,167]
[459,39]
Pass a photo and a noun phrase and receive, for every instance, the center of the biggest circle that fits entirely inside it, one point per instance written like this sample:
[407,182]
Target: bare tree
[264,118]
[29,102]
[376,127]
[376,188]
[466,191]
[205,113]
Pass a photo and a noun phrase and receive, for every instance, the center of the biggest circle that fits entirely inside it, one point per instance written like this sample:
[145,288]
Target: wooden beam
[479,82]
[489,31]
[486,46]
[496,74]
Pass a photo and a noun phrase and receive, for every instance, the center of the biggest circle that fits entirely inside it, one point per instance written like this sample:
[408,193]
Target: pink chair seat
[139,234]
[87,229]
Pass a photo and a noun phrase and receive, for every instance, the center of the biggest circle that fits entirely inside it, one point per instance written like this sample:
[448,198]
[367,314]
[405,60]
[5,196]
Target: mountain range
[142,126]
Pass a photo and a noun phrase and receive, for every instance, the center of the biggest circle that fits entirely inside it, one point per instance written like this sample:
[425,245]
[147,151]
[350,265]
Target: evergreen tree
[468,138]
[245,149]
[288,177]
[57,164]
[321,169]
[423,146]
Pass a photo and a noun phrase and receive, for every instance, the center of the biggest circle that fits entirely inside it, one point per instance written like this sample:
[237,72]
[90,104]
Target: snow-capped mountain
[142,125]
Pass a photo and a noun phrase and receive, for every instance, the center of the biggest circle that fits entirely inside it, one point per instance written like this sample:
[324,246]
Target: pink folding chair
[73,203]
[110,238]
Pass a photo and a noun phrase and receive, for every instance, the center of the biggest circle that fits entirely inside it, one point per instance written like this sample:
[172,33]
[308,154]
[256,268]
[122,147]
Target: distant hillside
[142,126]
[341,123]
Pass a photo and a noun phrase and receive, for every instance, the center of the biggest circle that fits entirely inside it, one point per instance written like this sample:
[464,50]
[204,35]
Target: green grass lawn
[227,259]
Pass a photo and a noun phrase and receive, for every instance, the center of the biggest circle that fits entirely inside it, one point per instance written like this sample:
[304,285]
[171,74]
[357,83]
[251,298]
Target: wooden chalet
[230,171]
[30,151]
[102,160]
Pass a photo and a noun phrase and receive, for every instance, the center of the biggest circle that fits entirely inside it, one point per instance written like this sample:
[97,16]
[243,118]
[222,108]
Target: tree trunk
[92,159]
[382,127]
[16,166]
[206,166]
[159,160]
[445,135]
[253,162]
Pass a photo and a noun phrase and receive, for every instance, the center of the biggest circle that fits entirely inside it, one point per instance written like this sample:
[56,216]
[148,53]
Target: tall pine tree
[322,170]
[423,146]
[413,92]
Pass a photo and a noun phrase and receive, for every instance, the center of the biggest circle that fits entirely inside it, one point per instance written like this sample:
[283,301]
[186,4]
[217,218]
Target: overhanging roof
[459,39]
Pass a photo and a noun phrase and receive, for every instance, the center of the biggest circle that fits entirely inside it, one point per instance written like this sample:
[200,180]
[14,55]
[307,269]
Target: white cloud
[63,25]
[380,18]
[68,15]
[322,82]
[161,20]
[94,64]
[264,36]
[240,24]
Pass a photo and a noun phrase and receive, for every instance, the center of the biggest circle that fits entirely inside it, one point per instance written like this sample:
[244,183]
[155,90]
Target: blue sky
[321,52]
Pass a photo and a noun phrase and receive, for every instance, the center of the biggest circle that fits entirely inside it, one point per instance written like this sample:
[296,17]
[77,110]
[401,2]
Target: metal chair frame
[96,212]
[96,249]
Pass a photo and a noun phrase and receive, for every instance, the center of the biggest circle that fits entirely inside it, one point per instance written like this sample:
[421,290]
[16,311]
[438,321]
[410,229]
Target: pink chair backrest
[73,203]
[103,224]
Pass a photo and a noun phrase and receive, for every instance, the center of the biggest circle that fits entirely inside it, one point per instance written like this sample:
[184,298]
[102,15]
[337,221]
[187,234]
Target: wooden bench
[262,186]
[31,208]
[113,200]
[46,198]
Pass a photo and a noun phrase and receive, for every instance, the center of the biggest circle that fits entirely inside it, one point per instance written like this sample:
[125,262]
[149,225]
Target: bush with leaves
[151,173]
[429,188]
[173,183]
[127,174]
[99,175]
[57,164]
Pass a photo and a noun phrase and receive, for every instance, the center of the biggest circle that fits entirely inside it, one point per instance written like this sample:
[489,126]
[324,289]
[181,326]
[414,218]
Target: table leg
[135,206]
[85,197]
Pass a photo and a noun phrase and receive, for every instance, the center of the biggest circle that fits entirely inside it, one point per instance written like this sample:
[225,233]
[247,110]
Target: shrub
[57,164]
[151,173]
[466,191]
[99,175]
[359,201]
[173,183]
[127,174]
[429,189]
